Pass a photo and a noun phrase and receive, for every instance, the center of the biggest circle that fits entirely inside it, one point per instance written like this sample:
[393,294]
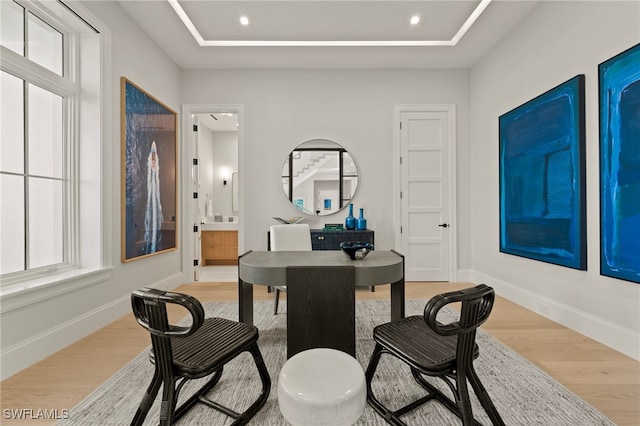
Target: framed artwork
[542,177]
[619,94]
[149,173]
[299,201]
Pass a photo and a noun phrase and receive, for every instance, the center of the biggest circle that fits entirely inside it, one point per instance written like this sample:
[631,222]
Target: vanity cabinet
[219,248]
[330,240]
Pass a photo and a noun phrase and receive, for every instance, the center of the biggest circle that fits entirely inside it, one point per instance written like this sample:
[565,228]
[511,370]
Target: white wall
[556,42]
[353,108]
[217,150]
[35,331]
[224,156]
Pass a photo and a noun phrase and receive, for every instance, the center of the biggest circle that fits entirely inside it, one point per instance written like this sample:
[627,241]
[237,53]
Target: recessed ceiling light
[414,20]
[244,20]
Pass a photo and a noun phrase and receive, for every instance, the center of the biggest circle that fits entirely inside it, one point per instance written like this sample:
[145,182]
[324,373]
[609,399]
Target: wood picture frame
[149,170]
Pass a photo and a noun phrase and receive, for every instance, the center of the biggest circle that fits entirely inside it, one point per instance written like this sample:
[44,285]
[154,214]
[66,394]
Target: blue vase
[361,223]
[350,221]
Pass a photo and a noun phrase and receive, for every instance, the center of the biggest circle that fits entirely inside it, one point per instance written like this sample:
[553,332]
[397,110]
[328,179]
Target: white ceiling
[219,121]
[328,33]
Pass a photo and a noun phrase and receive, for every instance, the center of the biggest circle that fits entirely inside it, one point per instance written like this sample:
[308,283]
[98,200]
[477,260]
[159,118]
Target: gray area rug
[522,393]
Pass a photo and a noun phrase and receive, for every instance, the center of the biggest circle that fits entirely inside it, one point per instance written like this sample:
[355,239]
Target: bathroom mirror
[319,177]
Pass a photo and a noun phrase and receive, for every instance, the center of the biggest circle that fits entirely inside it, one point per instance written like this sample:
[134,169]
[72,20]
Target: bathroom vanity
[219,245]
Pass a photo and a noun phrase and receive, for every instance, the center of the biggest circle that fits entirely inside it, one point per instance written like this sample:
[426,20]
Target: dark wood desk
[320,292]
[330,240]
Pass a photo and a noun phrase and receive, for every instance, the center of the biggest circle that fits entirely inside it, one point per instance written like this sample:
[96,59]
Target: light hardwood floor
[603,377]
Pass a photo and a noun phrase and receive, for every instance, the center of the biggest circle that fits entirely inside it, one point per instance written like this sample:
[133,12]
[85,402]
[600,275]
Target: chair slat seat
[411,340]
[185,352]
[198,355]
[435,350]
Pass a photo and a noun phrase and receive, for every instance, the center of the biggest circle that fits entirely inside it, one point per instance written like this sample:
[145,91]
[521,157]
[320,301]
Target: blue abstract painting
[542,177]
[619,90]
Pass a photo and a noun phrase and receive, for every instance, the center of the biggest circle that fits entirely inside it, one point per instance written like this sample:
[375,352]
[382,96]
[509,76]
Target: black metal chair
[183,353]
[446,351]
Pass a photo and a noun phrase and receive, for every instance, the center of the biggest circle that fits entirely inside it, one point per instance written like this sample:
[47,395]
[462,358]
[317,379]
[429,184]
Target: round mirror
[319,177]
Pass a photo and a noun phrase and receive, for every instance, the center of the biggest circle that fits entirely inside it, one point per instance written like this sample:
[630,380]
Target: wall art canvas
[149,173]
[542,177]
[619,88]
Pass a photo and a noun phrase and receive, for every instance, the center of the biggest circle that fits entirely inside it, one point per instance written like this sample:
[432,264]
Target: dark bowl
[357,250]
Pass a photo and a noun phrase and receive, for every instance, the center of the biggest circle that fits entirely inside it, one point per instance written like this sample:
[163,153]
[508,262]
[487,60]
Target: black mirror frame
[341,174]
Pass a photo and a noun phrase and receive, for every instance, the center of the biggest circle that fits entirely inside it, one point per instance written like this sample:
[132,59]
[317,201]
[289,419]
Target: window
[43,210]
[33,171]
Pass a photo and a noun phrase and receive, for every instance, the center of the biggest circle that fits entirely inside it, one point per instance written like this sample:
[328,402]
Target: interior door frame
[450,109]
[186,163]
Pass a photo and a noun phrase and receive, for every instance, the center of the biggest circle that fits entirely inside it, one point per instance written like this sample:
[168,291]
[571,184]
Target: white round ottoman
[322,387]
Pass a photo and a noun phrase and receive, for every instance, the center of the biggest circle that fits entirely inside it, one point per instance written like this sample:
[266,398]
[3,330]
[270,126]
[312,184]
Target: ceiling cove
[224,42]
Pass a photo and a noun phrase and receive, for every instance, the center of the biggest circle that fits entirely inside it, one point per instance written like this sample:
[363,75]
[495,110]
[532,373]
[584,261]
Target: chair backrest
[477,303]
[150,309]
[294,237]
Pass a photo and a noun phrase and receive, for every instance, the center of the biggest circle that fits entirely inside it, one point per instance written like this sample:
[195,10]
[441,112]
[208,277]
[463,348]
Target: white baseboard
[36,348]
[619,338]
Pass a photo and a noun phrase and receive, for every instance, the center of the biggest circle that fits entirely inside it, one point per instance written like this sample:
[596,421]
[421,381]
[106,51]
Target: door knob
[444,225]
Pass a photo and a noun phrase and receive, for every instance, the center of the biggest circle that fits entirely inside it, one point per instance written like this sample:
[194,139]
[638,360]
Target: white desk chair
[294,237]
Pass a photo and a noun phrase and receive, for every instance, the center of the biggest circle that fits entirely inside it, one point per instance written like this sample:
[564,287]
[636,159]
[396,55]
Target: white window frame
[68,88]
[86,66]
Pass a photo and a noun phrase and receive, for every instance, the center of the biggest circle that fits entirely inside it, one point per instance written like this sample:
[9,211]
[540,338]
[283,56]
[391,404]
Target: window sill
[19,295]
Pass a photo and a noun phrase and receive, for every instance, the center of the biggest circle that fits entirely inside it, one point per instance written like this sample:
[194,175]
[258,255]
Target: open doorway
[217,200]
[213,229]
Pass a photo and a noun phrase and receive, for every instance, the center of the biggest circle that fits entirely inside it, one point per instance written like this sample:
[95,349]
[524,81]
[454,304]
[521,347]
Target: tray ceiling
[208,34]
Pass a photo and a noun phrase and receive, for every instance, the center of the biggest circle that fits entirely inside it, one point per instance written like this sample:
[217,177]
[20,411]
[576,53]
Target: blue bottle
[361,223]
[350,221]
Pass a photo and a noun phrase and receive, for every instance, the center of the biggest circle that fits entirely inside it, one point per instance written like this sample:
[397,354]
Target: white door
[426,139]
[196,214]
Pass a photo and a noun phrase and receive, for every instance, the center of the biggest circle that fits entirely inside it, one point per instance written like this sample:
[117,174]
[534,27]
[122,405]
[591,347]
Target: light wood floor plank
[603,377]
